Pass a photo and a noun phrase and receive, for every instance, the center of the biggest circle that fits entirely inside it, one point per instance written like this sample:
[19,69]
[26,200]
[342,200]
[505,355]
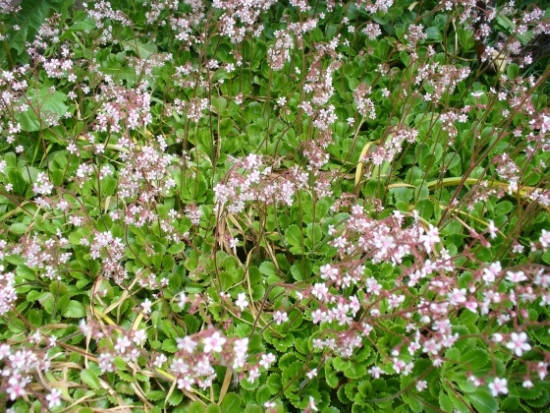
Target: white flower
[146,305]
[241,302]
[518,343]
[492,229]
[139,337]
[311,374]
[182,299]
[122,343]
[497,337]
[312,404]
[267,360]
[421,385]
[375,372]
[280,317]
[213,343]
[186,344]
[54,398]
[516,277]
[253,374]
[545,238]
[431,237]
[527,384]
[490,273]
[498,386]
[457,296]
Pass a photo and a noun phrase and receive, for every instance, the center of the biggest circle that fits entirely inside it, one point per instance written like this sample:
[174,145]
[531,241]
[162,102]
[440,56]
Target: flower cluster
[251,180]
[20,365]
[8,295]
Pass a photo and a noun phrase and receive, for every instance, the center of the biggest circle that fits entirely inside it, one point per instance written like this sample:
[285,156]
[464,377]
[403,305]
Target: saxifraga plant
[274,206]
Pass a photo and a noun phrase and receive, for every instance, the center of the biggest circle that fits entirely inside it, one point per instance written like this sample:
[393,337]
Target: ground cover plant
[274,206]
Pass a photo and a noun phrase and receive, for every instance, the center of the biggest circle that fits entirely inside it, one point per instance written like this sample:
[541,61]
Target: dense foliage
[280,206]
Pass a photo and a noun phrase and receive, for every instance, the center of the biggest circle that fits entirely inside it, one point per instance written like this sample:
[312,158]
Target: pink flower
[492,229]
[421,385]
[16,386]
[375,372]
[527,383]
[545,238]
[267,360]
[542,369]
[498,386]
[457,296]
[373,286]
[311,374]
[122,343]
[318,316]
[518,343]
[490,273]
[516,277]
[241,302]
[213,343]
[146,305]
[312,404]
[431,347]
[399,365]
[54,398]
[320,291]
[253,374]
[280,317]
[327,271]
[431,237]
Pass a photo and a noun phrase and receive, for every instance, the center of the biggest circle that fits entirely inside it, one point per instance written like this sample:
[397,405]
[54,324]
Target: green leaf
[175,398]
[541,401]
[263,393]
[108,186]
[231,403]
[482,401]
[29,19]
[168,263]
[361,408]
[458,405]
[42,104]
[503,208]
[156,395]
[74,309]
[445,402]
[293,236]
[16,179]
[253,408]
[355,371]
[89,377]
[253,111]
[274,383]
[19,228]
[213,408]
[176,248]
[142,50]
[425,207]
[268,268]
[196,407]
[476,359]
[402,195]
[301,270]
[341,364]
[434,33]
[453,163]
[512,70]
[331,376]
[169,345]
